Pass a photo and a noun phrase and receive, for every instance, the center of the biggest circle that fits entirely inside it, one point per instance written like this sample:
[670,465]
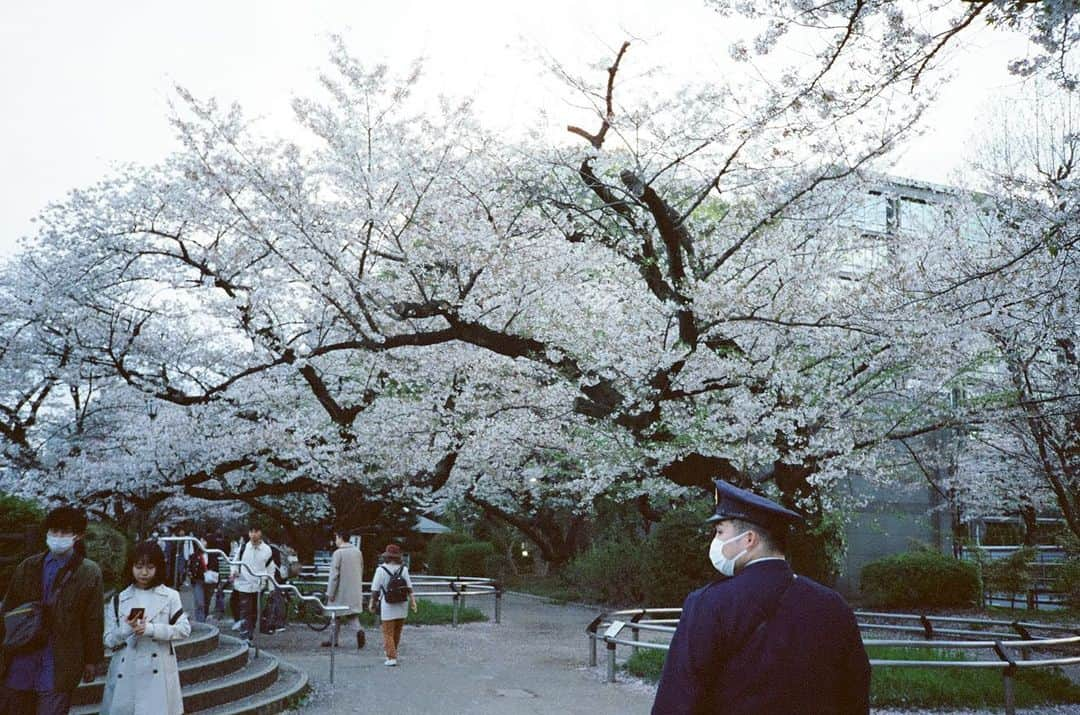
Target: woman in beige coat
[346,586]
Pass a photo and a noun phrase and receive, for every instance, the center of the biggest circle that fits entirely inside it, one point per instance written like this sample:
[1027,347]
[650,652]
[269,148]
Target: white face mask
[59,544]
[722,563]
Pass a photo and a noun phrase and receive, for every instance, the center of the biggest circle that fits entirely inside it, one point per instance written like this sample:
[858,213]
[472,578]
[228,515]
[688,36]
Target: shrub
[469,558]
[1068,575]
[921,579]
[109,548]
[676,557]
[1011,576]
[435,552]
[17,516]
[610,572]
[499,567]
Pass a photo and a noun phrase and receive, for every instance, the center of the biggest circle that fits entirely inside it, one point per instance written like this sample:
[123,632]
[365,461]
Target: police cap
[735,503]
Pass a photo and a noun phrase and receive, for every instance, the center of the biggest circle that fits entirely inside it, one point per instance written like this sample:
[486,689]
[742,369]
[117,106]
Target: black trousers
[248,605]
[30,702]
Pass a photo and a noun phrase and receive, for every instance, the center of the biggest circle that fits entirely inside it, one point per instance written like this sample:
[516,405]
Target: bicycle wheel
[311,614]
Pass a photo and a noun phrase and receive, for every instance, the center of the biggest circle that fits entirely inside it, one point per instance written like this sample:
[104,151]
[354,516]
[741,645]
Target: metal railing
[427,585]
[609,628]
[264,578]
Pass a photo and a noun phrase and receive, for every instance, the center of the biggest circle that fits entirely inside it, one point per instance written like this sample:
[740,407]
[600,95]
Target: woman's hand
[138,625]
[413,600]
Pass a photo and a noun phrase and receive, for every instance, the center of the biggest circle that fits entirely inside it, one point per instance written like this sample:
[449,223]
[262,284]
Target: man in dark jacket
[42,681]
[763,640]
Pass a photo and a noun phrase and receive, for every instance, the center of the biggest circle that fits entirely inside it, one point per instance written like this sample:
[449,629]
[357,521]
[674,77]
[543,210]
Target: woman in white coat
[141,623]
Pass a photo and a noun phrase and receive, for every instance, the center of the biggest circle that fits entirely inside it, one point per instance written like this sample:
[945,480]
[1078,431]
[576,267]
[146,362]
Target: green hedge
[469,559]
[609,572]
[435,552]
[109,548]
[659,570]
[920,579]
[17,515]
[1010,576]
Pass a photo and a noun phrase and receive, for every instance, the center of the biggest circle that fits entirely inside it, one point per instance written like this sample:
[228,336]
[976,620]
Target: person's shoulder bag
[26,627]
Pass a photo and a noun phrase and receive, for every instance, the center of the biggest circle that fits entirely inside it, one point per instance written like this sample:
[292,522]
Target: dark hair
[148,551]
[66,518]
[342,533]
[773,540]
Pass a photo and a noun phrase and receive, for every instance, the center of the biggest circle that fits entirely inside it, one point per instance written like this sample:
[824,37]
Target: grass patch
[925,687]
[960,687]
[429,613]
[553,587]
[646,663]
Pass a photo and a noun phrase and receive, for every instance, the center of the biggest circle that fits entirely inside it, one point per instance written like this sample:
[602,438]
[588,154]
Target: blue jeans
[202,593]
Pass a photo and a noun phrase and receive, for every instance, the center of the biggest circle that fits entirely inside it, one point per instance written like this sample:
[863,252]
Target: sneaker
[279,630]
[328,644]
[390,661]
[237,625]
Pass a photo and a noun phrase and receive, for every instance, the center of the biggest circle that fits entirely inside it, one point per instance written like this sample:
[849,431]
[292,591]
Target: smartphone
[136,613]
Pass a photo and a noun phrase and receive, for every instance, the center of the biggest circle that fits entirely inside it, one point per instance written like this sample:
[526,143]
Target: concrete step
[285,693]
[259,674]
[256,676]
[203,639]
[231,655]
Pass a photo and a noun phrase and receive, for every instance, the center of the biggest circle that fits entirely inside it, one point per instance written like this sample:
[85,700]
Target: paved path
[534,662]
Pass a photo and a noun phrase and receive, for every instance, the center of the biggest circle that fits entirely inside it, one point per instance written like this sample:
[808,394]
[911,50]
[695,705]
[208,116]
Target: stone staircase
[219,675]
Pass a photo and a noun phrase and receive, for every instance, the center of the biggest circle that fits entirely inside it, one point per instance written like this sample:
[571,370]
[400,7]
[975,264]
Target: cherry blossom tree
[407,303]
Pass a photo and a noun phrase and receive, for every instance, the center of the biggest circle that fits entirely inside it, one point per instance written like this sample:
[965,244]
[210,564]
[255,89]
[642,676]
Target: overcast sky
[86,85]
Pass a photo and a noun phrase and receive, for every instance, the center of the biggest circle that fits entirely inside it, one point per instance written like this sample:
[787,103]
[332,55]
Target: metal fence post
[1010,694]
[258,618]
[457,600]
[498,603]
[592,650]
[610,662]
[333,642]
[635,633]
[1008,676]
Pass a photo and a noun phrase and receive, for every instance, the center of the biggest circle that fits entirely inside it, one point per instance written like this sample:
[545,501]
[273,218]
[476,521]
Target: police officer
[764,640]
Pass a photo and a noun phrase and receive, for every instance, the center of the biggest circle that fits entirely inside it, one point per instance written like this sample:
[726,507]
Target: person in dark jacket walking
[42,681]
[763,640]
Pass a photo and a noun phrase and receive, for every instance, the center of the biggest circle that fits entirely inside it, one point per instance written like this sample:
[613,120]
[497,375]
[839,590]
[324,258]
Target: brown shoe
[328,644]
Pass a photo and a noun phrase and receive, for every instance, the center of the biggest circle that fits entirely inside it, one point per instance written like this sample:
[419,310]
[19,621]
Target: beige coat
[144,676]
[346,586]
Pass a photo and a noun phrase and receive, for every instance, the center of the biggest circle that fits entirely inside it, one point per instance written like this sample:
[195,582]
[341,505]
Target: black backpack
[396,589]
[195,567]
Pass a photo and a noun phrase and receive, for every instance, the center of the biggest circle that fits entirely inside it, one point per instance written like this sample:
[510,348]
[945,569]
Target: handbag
[26,626]
[211,576]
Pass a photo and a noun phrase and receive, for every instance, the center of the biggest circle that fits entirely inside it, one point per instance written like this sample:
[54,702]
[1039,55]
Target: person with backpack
[202,570]
[275,613]
[142,622]
[256,564]
[392,589]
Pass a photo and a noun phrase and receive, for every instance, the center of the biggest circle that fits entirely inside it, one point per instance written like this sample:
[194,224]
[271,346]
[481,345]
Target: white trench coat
[143,675]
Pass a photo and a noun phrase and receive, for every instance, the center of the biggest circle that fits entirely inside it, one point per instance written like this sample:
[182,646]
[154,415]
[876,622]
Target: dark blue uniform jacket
[727,656]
